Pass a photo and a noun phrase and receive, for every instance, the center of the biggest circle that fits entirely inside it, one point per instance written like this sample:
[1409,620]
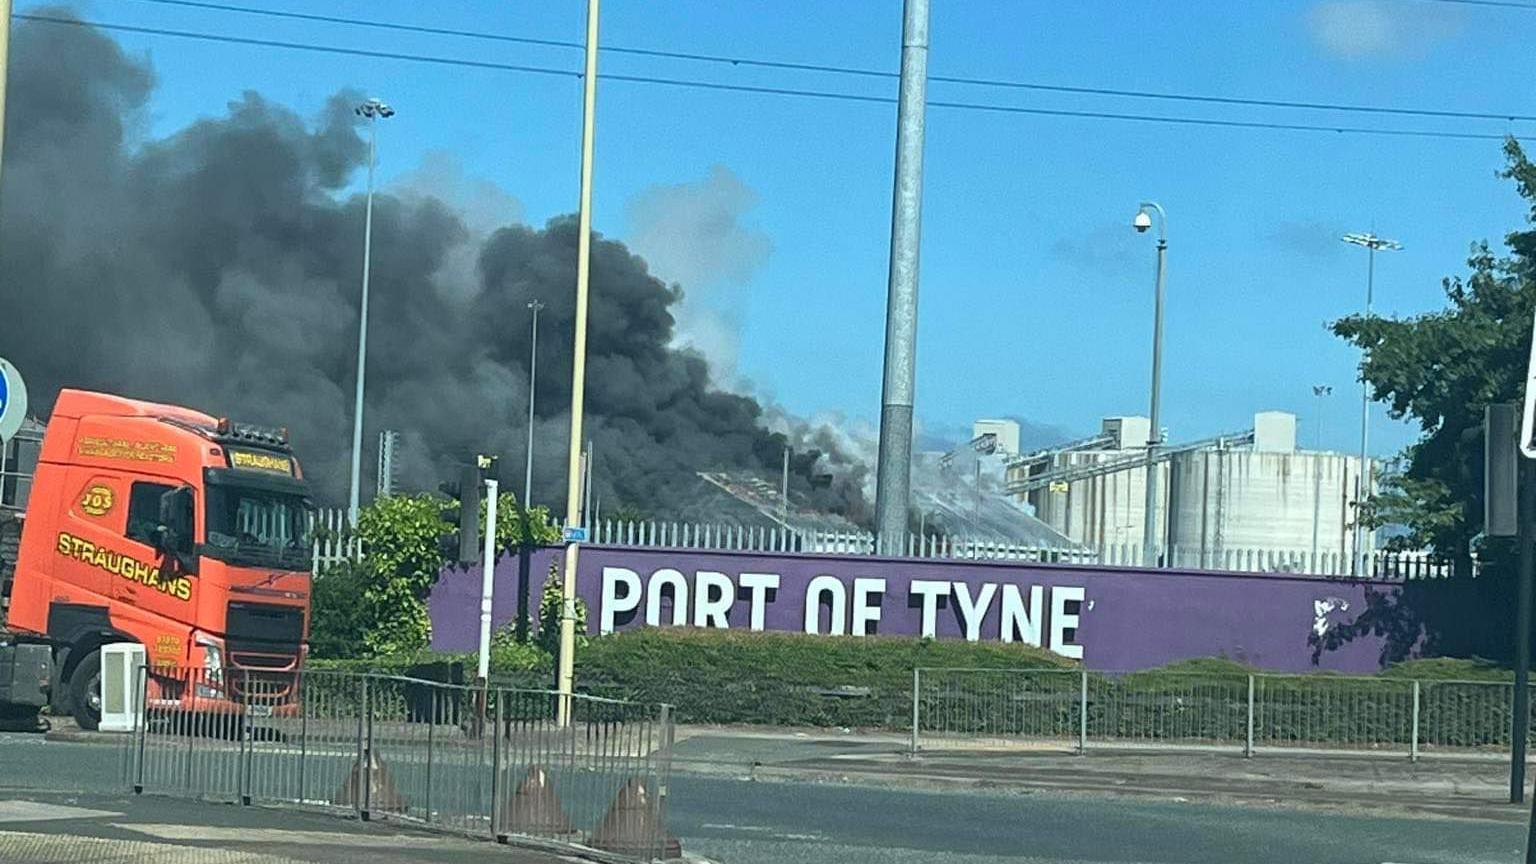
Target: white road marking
[34,811]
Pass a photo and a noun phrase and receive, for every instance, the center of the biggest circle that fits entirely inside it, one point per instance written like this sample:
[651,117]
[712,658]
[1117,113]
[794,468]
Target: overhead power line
[783,65]
[762,90]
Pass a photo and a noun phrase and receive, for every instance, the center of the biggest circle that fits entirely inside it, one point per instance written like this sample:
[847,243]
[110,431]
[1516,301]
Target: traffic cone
[633,825]
[535,808]
[382,796]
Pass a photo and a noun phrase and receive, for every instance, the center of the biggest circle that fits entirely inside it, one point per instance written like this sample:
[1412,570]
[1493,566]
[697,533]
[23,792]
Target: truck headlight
[212,685]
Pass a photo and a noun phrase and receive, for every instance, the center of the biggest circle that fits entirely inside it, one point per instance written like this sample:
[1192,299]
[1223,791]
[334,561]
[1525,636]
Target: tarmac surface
[752,795]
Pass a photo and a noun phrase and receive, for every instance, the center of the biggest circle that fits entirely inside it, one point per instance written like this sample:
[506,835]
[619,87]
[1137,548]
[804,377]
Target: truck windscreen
[257,527]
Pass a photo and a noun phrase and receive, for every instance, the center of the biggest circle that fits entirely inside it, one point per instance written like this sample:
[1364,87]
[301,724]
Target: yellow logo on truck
[122,448]
[256,461]
[97,499]
[119,564]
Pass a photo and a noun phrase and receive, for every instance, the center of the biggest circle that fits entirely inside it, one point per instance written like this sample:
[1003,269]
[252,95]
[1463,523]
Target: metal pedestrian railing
[488,761]
[1082,709]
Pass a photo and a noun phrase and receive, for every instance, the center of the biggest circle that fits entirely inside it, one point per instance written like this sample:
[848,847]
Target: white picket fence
[333,544]
[332,538]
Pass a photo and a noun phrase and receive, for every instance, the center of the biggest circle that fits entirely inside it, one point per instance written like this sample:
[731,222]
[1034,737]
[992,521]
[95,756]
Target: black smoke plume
[219,267]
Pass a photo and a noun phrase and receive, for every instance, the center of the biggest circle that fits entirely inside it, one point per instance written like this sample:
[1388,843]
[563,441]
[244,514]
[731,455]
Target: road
[742,821]
[757,823]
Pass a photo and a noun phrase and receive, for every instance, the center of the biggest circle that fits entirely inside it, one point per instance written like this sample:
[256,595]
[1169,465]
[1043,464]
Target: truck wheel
[85,691]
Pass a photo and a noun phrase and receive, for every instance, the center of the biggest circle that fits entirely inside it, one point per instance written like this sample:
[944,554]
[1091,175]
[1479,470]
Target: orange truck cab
[160,525]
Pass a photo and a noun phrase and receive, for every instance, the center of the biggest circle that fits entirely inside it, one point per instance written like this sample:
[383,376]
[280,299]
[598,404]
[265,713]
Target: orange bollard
[535,808]
[633,825]
[382,797]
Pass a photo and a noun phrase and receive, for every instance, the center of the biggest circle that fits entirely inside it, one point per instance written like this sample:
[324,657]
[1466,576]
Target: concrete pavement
[43,828]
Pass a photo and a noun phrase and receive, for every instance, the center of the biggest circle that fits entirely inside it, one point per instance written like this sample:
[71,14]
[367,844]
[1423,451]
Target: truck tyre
[85,691]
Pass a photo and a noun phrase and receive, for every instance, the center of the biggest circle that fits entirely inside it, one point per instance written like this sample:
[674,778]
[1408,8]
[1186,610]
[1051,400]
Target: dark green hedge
[714,676]
[786,679]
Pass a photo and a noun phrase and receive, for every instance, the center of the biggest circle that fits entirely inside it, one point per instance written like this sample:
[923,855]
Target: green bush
[1450,669]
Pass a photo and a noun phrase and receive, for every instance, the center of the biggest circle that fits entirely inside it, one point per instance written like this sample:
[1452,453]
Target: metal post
[487,578]
[893,473]
[1318,392]
[431,725]
[1521,717]
[303,736]
[916,689]
[496,770]
[578,371]
[1150,530]
[367,792]
[362,765]
[784,487]
[143,676]
[1413,740]
[533,379]
[664,775]
[362,329]
[586,487]
[1248,748]
[1082,713]
[246,742]
[1362,477]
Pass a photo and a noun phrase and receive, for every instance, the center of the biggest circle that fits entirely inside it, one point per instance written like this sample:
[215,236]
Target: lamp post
[1318,392]
[533,379]
[1372,244]
[1141,223]
[373,109]
[578,374]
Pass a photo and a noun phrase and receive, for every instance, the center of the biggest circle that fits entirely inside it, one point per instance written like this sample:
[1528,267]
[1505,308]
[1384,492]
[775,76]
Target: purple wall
[1113,618]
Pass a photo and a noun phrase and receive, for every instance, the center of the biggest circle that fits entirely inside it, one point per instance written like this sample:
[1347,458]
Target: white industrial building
[1238,500]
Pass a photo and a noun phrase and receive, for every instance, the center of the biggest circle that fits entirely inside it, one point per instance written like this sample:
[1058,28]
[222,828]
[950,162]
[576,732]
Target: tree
[1442,369]
[377,605]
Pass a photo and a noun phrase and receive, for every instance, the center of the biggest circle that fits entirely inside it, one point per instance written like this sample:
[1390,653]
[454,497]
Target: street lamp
[533,378]
[1318,392]
[567,674]
[1142,223]
[373,109]
[1372,244]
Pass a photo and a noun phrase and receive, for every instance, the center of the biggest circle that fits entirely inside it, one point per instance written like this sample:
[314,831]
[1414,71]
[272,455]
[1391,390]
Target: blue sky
[1035,294]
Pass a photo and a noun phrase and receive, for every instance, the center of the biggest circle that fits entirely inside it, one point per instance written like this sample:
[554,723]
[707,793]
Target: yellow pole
[578,370]
[5,65]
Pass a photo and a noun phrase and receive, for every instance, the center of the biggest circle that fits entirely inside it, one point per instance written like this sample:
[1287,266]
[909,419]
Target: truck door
[160,617]
[90,527]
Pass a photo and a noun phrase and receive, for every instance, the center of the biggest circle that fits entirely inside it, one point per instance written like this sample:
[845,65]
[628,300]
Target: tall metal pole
[1372,244]
[1362,477]
[5,64]
[893,473]
[1155,436]
[362,331]
[784,487]
[1318,392]
[533,380]
[373,109]
[1520,718]
[578,370]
